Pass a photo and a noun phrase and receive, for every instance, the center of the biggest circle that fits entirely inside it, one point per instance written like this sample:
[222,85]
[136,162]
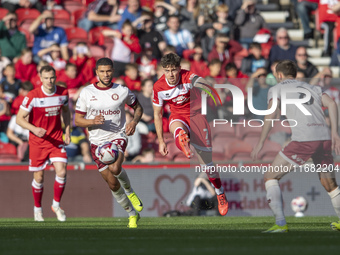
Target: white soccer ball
[107,153]
[299,206]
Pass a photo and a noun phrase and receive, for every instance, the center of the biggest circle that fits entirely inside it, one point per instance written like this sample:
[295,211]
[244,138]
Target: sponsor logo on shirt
[93,98]
[52,111]
[180,99]
[95,112]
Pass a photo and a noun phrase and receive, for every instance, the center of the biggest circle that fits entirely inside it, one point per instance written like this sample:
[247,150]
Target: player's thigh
[111,180]
[279,168]
[179,121]
[121,143]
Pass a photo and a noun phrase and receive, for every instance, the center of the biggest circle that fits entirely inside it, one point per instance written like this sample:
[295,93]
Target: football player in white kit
[100,108]
[311,138]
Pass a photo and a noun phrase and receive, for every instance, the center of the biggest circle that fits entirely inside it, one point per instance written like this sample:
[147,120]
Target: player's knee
[115,169]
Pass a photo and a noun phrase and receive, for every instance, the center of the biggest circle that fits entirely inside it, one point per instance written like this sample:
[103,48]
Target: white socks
[335,198]
[123,200]
[274,197]
[124,181]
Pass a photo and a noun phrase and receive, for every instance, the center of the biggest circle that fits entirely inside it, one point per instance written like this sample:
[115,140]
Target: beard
[106,83]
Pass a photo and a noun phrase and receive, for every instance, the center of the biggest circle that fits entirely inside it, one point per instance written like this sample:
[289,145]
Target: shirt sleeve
[28,103]
[156,98]
[81,106]
[131,99]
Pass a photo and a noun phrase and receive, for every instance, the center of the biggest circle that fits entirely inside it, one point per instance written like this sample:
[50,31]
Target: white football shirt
[110,102]
[309,127]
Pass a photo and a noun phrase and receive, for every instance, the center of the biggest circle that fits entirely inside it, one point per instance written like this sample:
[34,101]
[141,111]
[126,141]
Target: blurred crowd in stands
[221,40]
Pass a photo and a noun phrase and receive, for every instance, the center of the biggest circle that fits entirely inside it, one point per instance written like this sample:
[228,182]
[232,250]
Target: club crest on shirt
[25,101]
[115,97]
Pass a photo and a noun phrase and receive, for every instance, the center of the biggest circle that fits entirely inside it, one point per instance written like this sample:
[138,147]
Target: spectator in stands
[25,87]
[236,77]
[303,64]
[10,84]
[222,24]
[25,69]
[47,34]
[146,63]
[257,81]
[145,99]
[224,50]
[36,81]
[214,75]
[248,21]
[148,34]
[12,42]
[254,61]
[208,41]
[53,56]
[13,5]
[303,10]
[5,115]
[100,13]
[131,78]
[325,82]
[270,79]
[283,50]
[4,61]
[125,44]
[132,12]
[162,10]
[84,61]
[72,78]
[233,5]
[181,39]
[190,17]
[147,156]
[300,76]
[134,141]
[197,64]
[78,150]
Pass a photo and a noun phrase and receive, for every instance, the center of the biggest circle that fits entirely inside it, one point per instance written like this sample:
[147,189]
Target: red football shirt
[44,111]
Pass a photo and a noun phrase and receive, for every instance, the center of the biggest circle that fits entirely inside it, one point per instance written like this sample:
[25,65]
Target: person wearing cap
[46,34]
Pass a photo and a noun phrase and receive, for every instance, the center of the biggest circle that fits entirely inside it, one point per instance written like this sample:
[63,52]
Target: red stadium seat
[95,36]
[72,6]
[28,35]
[97,51]
[27,15]
[3,12]
[76,34]
[254,130]
[9,159]
[87,2]
[238,150]
[60,14]
[76,15]
[222,130]
[7,149]
[65,24]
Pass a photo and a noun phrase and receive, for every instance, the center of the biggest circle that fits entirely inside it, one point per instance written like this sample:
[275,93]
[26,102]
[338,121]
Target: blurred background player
[177,87]
[44,107]
[314,141]
[106,122]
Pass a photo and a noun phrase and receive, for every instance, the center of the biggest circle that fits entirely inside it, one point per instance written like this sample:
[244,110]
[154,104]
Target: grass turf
[176,235]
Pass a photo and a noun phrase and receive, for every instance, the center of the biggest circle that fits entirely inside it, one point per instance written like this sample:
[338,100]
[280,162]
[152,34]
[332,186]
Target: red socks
[59,186]
[214,176]
[37,190]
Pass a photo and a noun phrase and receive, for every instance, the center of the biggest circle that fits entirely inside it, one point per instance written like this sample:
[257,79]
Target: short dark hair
[130,66]
[47,69]
[287,68]
[230,66]
[26,85]
[214,62]
[173,16]
[104,62]
[255,45]
[70,65]
[145,81]
[171,59]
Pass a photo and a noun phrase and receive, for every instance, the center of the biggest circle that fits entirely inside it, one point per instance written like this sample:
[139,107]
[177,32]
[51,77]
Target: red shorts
[297,153]
[39,156]
[121,145]
[199,130]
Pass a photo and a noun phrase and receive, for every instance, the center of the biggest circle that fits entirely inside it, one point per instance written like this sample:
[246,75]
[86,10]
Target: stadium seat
[96,37]
[7,149]
[28,35]
[65,24]
[222,130]
[181,158]
[4,158]
[254,130]
[72,6]
[3,12]
[238,150]
[87,2]
[76,34]
[76,15]
[60,14]
[97,51]
[26,15]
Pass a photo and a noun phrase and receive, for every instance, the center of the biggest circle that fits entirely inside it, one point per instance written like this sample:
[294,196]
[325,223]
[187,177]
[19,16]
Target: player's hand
[99,119]
[163,149]
[39,132]
[336,144]
[67,139]
[130,128]
[256,150]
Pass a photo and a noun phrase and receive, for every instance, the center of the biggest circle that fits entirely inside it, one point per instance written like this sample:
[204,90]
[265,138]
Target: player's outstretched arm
[66,116]
[333,116]
[138,112]
[23,122]
[265,131]
[158,115]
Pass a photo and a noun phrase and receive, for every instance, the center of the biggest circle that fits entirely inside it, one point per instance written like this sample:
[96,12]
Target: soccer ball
[299,206]
[107,153]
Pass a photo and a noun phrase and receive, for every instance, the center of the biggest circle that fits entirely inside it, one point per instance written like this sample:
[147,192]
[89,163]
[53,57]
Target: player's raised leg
[37,190]
[120,173]
[59,187]
[181,133]
[328,181]
[274,194]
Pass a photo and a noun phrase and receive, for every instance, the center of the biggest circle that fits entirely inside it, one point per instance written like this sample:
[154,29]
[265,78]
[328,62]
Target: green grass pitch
[176,235]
